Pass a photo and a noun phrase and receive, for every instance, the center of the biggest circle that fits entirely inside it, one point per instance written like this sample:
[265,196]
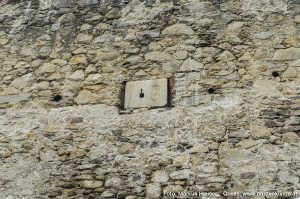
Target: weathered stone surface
[78,59]
[191,65]
[15,98]
[181,174]
[160,176]
[177,30]
[113,182]
[86,97]
[259,132]
[158,56]
[48,156]
[77,75]
[290,72]
[90,184]
[231,125]
[182,160]
[287,54]
[153,191]
[48,68]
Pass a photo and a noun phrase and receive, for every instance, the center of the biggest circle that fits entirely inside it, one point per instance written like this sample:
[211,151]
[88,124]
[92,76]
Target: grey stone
[113,182]
[191,65]
[158,56]
[287,54]
[160,176]
[15,98]
[181,174]
[153,191]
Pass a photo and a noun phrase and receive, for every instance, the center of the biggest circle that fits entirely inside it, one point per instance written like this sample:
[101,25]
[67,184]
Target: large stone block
[148,93]
[287,54]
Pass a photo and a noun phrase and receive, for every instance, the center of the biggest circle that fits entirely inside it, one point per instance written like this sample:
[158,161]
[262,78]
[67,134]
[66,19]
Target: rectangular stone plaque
[146,94]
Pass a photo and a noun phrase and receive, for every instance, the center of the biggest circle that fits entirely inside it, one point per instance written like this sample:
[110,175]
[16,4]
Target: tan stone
[182,160]
[91,184]
[87,97]
[291,72]
[248,143]
[126,148]
[259,132]
[158,56]
[78,60]
[177,30]
[295,63]
[297,18]
[5,153]
[48,68]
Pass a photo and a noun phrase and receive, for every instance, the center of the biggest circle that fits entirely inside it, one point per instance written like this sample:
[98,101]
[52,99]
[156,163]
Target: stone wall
[234,124]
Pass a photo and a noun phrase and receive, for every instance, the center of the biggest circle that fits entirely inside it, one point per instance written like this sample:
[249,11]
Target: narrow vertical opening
[170,84]
[122,95]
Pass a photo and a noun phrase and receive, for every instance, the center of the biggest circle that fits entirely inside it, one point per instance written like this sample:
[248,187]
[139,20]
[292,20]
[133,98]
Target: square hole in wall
[147,94]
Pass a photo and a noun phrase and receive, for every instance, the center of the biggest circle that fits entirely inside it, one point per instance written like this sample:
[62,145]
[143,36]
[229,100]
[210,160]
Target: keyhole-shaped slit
[142,94]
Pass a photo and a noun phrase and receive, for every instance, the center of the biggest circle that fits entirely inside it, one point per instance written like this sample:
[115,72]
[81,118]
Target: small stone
[291,72]
[22,64]
[158,56]
[48,68]
[5,153]
[259,132]
[22,82]
[85,26]
[153,191]
[77,152]
[91,184]
[84,38]
[78,60]
[182,160]
[177,30]
[3,42]
[297,18]
[248,143]
[226,56]
[199,149]
[107,194]
[113,182]
[287,54]
[191,65]
[126,148]
[15,98]
[290,137]
[113,14]
[263,35]
[180,54]
[87,97]
[171,67]
[77,75]
[48,156]
[295,63]
[160,176]
[181,174]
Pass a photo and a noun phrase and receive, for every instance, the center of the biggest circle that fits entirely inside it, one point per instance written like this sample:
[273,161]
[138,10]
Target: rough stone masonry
[234,120]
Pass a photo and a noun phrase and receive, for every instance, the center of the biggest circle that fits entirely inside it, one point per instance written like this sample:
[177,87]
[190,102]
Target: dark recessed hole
[275,74]
[211,90]
[57,98]
[142,94]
